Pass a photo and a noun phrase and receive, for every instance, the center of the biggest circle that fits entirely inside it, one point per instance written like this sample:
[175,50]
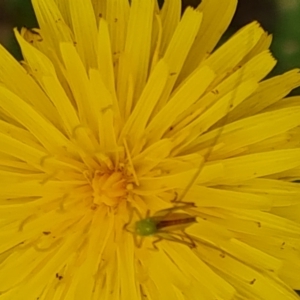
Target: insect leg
[155,242]
[132,211]
[130,219]
[138,241]
[181,206]
[175,198]
[176,201]
[176,237]
[187,236]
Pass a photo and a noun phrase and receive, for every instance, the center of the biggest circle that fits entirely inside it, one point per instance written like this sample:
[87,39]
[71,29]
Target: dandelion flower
[115,108]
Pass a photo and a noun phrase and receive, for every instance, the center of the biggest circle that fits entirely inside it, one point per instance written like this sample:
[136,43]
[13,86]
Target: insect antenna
[223,95]
[200,166]
[219,125]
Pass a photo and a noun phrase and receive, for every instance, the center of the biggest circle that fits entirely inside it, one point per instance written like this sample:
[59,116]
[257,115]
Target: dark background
[279,17]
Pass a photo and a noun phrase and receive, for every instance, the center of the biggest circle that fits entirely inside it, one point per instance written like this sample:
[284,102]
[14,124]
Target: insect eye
[145,227]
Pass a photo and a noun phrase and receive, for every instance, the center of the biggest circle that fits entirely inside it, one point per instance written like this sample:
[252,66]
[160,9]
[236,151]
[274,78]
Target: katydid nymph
[168,224]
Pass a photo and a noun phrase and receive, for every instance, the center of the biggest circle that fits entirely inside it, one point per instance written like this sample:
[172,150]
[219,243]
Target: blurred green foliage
[16,13]
[286,44]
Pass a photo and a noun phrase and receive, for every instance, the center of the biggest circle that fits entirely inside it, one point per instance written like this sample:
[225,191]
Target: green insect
[168,224]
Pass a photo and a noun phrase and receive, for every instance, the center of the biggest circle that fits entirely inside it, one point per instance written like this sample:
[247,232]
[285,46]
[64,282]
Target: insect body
[155,224]
[168,224]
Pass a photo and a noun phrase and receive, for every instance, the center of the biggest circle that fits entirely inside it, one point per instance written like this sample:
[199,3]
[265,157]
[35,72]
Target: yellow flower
[120,107]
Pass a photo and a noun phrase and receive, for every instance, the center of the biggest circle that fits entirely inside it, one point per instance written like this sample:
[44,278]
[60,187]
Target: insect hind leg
[181,238]
[180,206]
[155,242]
[181,203]
[187,236]
[175,198]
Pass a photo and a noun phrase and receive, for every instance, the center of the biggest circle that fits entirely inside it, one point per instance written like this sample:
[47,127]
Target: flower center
[109,188]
